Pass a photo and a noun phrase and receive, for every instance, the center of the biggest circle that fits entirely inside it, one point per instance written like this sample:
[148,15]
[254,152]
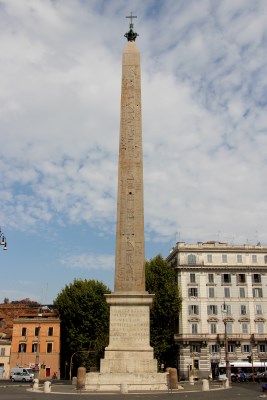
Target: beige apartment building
[224,287]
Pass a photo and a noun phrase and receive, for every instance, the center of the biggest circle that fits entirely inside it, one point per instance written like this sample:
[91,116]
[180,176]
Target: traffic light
[249,359]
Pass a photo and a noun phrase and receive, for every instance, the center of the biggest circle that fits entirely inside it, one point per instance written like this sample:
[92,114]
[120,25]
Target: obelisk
[129,358]
[129,264]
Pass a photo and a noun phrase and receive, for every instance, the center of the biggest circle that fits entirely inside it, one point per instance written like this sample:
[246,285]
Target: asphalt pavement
[63,391]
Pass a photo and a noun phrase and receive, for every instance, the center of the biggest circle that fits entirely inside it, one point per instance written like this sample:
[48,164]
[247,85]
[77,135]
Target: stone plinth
[112,382]
[129,358]
[129,347]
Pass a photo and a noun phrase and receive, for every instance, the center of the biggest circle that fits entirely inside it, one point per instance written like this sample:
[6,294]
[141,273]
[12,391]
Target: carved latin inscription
[130,326]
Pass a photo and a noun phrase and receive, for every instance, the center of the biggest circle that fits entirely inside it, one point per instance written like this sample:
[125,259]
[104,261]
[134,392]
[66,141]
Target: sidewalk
[184,387]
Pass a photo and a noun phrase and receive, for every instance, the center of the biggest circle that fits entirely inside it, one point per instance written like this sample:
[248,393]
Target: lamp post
[79,351]
[227,362]
[3,240]
[37,355]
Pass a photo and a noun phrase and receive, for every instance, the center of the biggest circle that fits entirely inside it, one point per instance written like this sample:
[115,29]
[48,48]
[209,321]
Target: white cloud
[204,116]
[89,262]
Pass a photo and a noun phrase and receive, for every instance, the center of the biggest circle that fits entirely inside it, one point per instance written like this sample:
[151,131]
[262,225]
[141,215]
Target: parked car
[26,370]
[21,377]
[260,377]
[241,377]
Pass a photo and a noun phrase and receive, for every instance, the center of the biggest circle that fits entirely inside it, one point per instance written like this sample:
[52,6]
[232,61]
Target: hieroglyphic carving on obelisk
[129,357]
[129,265]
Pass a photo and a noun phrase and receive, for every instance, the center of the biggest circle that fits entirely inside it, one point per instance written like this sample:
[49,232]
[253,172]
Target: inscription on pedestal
[129,326]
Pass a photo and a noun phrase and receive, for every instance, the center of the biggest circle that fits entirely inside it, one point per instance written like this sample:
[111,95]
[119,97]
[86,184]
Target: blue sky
[204,101]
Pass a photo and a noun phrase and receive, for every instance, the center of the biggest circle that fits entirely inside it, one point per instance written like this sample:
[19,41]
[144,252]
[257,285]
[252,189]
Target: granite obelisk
[129,358]
[129,270]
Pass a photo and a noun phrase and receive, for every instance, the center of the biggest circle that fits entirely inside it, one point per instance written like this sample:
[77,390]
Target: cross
[131,16]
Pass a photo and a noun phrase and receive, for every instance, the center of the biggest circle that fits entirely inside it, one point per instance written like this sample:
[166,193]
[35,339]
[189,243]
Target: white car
[21,377]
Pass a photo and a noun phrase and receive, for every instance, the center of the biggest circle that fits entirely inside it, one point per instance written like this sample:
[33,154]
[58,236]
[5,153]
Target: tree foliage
[84,318]
[160,280]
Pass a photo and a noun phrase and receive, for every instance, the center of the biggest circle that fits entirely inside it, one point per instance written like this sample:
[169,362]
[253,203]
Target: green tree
[84,315]
[160,280]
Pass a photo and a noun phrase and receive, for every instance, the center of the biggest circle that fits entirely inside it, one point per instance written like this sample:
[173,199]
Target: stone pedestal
[129,358]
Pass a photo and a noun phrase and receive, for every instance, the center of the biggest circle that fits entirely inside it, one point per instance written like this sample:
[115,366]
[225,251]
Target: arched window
[191,259]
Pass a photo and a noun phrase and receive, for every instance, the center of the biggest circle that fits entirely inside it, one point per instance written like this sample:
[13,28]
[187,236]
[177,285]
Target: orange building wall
[49,363]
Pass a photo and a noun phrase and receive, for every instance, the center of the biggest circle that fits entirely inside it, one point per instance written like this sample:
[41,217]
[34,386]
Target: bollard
[191,380]
[81,378]
[35,385]
[124,388]
[74,380]
[226,383]
[173,378]
[47,387]
[205,385]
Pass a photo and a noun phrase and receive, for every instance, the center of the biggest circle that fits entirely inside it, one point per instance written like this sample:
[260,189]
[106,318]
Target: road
[244,391]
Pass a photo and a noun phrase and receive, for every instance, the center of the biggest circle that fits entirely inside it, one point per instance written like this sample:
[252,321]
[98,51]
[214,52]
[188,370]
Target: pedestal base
[129,358]
[96,381]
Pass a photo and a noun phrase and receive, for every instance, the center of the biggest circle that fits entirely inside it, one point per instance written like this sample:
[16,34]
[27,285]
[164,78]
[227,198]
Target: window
[240,278]
[211,278]
[22,348]
[262,348]
[192,278]
[242,292]
[196,364]
[23,331]
[224,258]
[258,309]
[229,327]
[193,309]
[214,348]
[260,327]
[244,328]
[226,278]
[191,259]
[209,257]
[231,348]
[212,309]
[254,258]
[265,259]
[3,352]
[246,348]
[239,258]
[36,331]
[243,309]
[192,292]
[194,328]
[195,348]
[257,292]
[256,278]
[34,347]
[227,292]
[213,328]
[50,331]
[211,292]
[227,307]
[49,347]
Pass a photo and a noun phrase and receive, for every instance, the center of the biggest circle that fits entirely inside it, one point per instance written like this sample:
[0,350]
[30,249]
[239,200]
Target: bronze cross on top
[131,16]
[131,35]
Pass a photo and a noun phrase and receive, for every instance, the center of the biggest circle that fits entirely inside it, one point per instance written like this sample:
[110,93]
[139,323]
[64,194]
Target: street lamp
[79,351]
[3,240]
[37,355]
[227,362]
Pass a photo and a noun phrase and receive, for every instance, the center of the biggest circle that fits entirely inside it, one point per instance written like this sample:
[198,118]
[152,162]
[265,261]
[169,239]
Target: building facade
[224,292]
[36,344]
[5,346]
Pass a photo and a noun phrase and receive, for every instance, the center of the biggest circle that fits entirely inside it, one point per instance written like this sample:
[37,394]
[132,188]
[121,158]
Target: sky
[204,112]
